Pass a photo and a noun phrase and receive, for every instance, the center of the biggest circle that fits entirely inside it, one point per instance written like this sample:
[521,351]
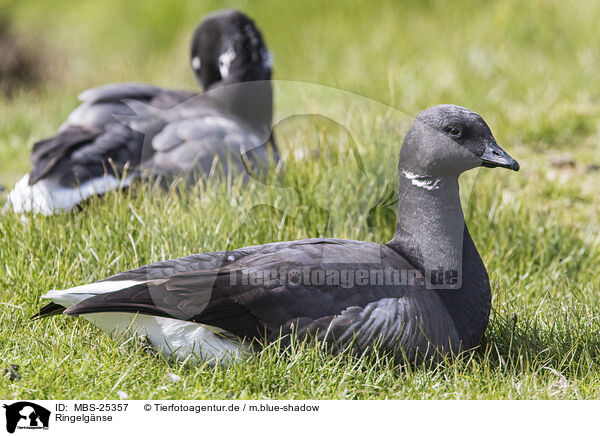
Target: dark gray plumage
[419,317]
[124,131]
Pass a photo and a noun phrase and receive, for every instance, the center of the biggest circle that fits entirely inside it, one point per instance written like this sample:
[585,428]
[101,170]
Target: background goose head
[446,140]
[227,47]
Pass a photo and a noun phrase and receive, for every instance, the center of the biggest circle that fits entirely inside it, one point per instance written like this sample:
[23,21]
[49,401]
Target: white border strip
[364,418]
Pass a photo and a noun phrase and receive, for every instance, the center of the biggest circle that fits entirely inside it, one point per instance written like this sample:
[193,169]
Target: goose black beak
[494,156]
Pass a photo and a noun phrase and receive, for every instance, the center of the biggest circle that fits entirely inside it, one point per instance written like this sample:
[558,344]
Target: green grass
[529,68]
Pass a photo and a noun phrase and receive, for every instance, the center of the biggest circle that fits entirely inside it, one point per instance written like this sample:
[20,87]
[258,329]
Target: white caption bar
[265,417]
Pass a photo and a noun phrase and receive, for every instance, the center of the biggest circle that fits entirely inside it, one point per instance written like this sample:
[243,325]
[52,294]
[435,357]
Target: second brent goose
[425,293]
[123,131]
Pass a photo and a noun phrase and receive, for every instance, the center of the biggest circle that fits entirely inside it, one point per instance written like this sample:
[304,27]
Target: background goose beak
[495,156]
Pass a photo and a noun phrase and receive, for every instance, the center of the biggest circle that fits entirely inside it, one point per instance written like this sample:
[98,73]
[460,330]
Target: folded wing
[398,317]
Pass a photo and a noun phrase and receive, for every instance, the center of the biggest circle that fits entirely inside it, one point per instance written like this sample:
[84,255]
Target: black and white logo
[26,415]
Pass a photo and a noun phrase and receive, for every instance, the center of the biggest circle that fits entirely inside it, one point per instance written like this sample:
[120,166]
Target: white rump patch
[173,338]
[196,64]
[425,182]
[182,340]
[225,62]
[47,197]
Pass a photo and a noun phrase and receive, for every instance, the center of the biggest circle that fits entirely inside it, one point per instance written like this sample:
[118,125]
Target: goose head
[227,47]
[446,140]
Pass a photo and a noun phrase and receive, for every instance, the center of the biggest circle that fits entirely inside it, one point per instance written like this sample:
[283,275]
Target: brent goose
[426,292]
[124,131]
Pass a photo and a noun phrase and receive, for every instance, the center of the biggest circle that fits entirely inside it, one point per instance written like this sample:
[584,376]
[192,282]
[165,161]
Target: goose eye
[453,131]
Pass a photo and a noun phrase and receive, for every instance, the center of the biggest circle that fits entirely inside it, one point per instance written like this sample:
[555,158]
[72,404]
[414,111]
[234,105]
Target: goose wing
[92,141]
[198,142]
[317,287]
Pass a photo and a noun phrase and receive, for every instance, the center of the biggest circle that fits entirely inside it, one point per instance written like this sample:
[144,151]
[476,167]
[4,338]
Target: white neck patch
[267,58]
[425,182]
[225,62]
[196,63]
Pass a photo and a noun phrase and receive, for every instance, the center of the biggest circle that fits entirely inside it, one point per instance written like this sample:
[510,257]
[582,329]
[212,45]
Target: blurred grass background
[530,68]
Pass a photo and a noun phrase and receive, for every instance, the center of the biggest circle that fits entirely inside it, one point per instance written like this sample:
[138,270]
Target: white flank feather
[71,296]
